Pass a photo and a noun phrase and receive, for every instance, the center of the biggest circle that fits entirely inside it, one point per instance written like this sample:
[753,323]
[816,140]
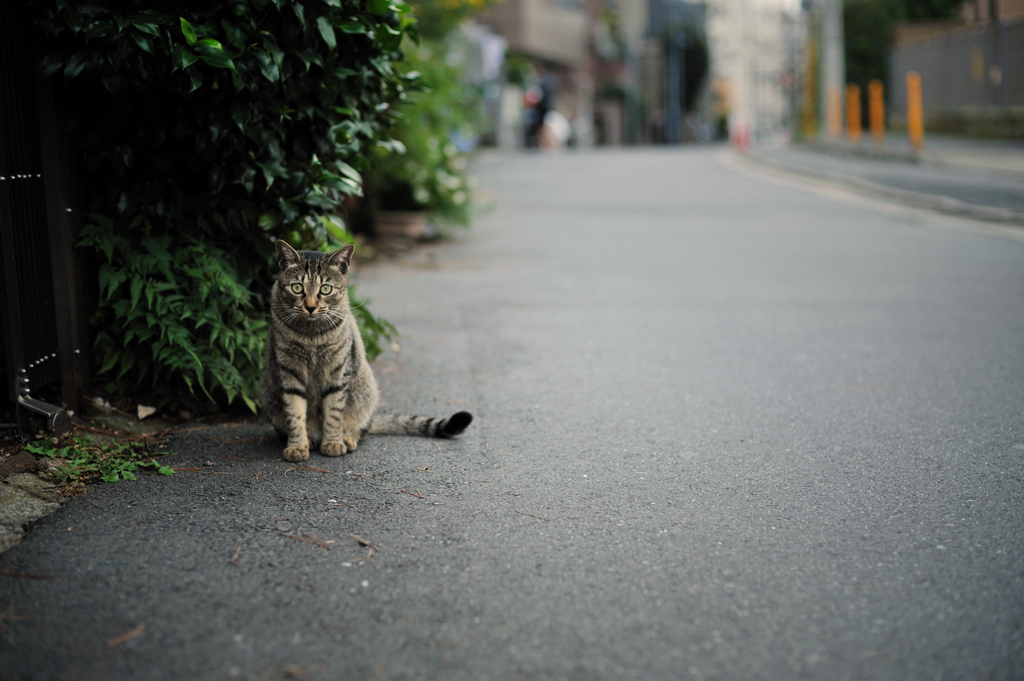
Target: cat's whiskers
[335,315]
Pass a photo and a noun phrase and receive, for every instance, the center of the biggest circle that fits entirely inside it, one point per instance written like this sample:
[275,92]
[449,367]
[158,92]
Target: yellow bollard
[876,110]
[834,113]
[915,117]
[853,113]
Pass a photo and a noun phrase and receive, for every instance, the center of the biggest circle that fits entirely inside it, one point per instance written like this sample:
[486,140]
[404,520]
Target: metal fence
[29,338]
[976,67]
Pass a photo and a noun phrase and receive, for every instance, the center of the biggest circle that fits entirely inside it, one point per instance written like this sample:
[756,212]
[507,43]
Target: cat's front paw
[296,454]
[333,449]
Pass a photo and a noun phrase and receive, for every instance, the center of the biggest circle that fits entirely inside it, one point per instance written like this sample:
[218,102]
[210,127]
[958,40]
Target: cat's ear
[341,259]
[286,255]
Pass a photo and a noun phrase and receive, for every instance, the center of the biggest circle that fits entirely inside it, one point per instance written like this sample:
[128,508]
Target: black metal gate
[27,307]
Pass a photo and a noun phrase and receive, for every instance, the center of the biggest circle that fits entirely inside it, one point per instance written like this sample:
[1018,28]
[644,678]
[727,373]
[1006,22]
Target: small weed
[80,459]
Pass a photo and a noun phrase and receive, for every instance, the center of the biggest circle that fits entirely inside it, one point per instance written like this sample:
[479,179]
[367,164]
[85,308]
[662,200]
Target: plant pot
[392,223]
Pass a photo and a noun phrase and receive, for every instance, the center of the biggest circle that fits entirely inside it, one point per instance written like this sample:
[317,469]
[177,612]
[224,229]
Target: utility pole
[833,69]
[673,115]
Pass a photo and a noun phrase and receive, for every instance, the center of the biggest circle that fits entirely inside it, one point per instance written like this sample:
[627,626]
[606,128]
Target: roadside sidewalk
[983,179]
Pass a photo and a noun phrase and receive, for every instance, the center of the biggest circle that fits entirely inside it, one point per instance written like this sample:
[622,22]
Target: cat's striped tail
[421,425]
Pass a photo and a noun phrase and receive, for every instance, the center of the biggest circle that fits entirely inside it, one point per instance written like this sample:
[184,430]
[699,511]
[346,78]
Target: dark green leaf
[147,27]
[188,59]
[354,27]
[388,37]
[74,65]
[136,290]
[143,41]
[323,24]
[197,79]
[241,114]
[219,62]
[51,64]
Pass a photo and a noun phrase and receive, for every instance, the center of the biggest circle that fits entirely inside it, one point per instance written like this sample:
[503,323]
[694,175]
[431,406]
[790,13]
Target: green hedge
[202,130]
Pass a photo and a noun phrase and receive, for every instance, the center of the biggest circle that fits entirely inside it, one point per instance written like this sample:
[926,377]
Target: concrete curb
[24,498]
[942,204]
[872,151]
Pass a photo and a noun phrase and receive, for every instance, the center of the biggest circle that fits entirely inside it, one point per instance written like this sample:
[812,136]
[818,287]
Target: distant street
[727,427]
[975,178]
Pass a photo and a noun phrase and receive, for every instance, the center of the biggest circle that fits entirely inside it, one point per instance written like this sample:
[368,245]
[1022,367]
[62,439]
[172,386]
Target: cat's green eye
[326,289]
[296,288]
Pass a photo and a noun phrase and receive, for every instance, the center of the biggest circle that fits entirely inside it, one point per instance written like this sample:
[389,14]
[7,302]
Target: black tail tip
[456,423]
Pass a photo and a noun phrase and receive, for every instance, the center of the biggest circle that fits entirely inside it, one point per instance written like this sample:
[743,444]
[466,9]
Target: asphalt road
[727,428]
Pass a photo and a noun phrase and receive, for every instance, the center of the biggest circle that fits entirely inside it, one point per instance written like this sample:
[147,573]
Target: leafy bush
[200,135]
[169,320]
[437,128]
[436,19]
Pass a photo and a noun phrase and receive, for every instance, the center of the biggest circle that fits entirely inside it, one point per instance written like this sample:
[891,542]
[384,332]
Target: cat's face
[311,290]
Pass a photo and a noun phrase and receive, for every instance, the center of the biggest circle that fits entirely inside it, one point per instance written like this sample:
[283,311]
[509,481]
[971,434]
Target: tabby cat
[317,384]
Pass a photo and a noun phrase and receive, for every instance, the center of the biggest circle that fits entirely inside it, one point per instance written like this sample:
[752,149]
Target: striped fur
[317,384]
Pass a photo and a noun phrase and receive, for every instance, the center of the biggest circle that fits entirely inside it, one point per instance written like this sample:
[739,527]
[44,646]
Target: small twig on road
[234,558]
[529,514]
[365,475]
[235,458]
[26,575]
[310,539]
[193,468]
[412,494]
[314,468]
[257,474]
[436,445]
[364,542]
[300,467]
[124,638]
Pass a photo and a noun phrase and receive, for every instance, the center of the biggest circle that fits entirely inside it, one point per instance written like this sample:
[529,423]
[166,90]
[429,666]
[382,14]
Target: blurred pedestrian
[539,99]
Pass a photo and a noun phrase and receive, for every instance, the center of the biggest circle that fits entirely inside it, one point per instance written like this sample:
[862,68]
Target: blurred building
[652,71]
[756,51]
[616,63]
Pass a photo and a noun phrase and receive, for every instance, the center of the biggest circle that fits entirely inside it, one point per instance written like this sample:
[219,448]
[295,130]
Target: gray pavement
[727,428]
[982,179]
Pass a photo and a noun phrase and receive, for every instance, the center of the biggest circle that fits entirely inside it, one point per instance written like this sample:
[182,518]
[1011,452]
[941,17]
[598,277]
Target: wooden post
[876,110]
[853,128]
[915,117]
